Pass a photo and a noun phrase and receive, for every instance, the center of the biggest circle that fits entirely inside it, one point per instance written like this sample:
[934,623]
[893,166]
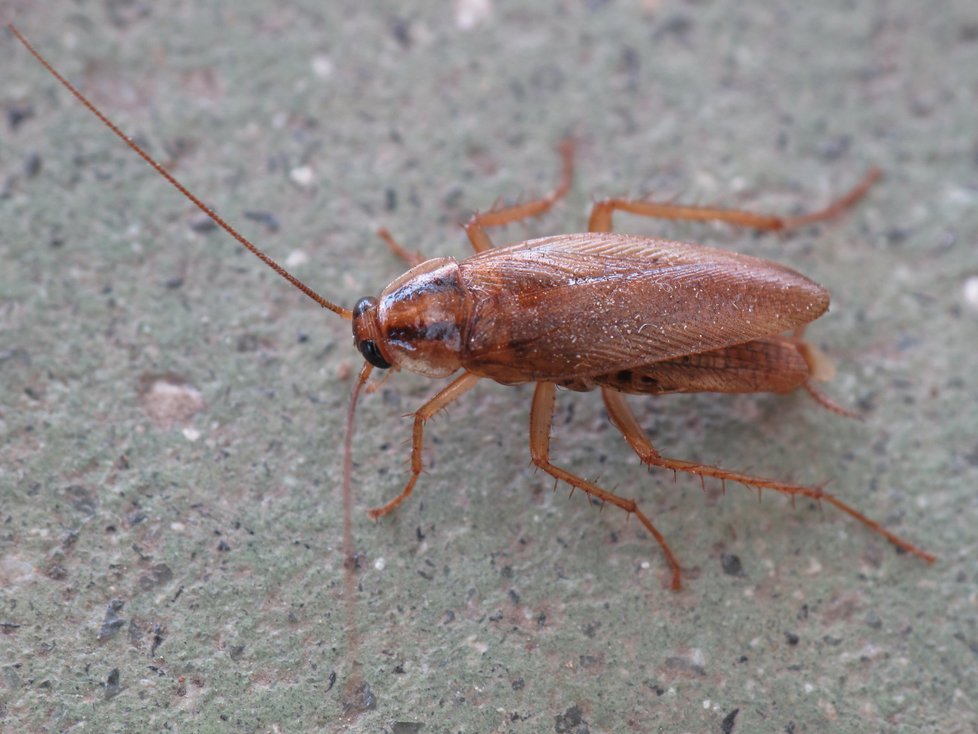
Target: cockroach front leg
[624,420]
[452,392]
[600,220]
[476,228]
[541,421]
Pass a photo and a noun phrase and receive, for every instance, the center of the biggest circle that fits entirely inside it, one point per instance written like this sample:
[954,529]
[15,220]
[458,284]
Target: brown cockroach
[597,310]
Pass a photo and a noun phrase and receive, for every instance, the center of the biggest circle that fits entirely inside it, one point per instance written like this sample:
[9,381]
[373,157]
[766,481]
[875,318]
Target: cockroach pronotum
[597,310]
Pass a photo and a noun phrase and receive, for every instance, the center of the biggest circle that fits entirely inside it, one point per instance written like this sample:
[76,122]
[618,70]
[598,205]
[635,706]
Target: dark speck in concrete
[834,148]
[32,165]
[406,727]
[112,622]
[81,498]
[589,661]
[571,722]
[362,699]
[265,218]
[112,685]
[135,632]
[69,538]
[158,575]
[677,26]
[18,114]
[202,224]
[159,634]
[401,30]
[727,725]
[731,564]
[655,687]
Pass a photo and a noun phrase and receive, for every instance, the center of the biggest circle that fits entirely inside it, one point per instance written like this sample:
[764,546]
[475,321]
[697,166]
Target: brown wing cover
[772,364]
[582,305]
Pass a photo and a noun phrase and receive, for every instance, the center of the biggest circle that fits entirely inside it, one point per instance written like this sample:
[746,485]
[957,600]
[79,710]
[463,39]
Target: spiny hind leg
[451,392]
[541,422]
[600,220]
[476,228]
[624,420]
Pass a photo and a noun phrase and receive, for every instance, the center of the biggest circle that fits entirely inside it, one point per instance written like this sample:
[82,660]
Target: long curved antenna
[343,312]
[349,549]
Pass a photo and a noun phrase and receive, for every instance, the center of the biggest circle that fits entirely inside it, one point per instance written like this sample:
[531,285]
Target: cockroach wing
[588,304]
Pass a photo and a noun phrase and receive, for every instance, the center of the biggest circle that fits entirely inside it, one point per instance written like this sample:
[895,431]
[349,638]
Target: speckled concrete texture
[171,413]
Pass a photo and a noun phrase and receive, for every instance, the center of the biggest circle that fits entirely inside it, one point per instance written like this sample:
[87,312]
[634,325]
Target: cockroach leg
[828,403]
[541,422]
[600,220]
[412,258]
[449,394]
[838,206]
[476,227]
[376,385]
[624,420]
[821,368]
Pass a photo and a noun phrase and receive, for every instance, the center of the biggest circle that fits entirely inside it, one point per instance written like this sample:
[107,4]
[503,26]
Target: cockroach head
[416,324]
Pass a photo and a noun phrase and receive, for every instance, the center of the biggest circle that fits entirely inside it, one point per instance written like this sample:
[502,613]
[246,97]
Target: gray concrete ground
[171,413]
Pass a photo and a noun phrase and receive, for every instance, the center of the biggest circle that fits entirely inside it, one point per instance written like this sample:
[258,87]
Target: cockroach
[619,313]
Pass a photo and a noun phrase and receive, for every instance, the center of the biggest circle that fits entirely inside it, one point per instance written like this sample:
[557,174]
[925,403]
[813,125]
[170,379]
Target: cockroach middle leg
[541,423]
[449,394]
[624,420]
[411,258]
[476,228]
[600,220]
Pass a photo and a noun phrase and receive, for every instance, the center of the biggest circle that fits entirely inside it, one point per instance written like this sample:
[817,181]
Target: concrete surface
[172,413]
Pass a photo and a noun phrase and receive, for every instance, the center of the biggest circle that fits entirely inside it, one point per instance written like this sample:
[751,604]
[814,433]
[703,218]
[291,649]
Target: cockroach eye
[368,348]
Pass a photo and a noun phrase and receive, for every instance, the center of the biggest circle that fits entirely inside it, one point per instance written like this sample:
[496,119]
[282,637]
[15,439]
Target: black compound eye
[368,348]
